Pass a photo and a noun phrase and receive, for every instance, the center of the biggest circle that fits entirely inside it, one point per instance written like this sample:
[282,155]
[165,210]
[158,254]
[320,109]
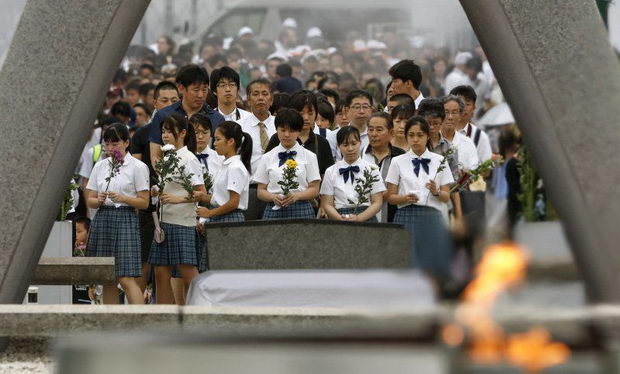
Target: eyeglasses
[358,107]
[227,85]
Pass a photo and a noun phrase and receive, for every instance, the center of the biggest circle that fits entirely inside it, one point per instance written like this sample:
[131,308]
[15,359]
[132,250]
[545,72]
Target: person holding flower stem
[286,186]
[180,175]
[117,191]
[352,189]
[408,183]
[231,185]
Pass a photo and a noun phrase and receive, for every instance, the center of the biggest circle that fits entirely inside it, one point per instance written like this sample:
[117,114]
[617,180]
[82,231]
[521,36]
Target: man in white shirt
[225,86]
[358,108]
[456,76]
[406,78]
[260,126]
[467,128]
[468,155]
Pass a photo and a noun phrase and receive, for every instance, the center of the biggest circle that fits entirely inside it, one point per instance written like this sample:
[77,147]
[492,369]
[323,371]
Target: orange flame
[503,266]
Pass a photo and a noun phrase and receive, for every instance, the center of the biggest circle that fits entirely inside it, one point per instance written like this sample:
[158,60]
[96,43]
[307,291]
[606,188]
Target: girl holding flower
[182,186]
[231,185]
[410,180]
[288,175]
[352,188]
[118,185]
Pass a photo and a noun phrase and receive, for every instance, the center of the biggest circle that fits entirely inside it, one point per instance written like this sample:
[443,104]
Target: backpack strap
[97,149]
[477,137]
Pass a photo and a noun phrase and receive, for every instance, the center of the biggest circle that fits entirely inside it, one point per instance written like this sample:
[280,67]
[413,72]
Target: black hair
[326,110]
[330,93]
[403,112]
[288,117]
[358,93]
[190,74]
[385,116]
[82,219]
[121,108]
[280,100]
[466,92]
[120,76]
[225,72]
[407,70]
[147,108]
[345,133]
[302,99]
[340,104]
[243,141]
[508,140]
[284,70]
[117,132]
[176,123]
[403,99]
[432,107]
[107,121]
[424,126]
[133,85]
[217,58]
[148,66]
[145,88]
[165,85]
[201,120]
[474,63]
[264,81]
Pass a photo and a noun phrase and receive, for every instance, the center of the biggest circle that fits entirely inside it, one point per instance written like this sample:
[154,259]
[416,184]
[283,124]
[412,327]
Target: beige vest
[179,214]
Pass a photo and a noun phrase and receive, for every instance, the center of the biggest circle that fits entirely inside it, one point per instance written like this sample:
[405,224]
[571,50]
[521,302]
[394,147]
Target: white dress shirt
[330,135]
[132,177]
[402,174]
[468,155]
[334,184]
[233,176]
[363,139]
[270,173]
[237,115]
[250,125]
[213,162]
[484,144]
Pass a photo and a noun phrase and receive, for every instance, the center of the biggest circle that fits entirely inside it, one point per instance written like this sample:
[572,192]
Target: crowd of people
[255,130]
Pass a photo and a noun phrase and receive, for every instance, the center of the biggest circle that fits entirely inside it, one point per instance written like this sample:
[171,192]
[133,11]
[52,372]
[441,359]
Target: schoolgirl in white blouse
[418,187]
[339,199]
[115,231]
[296,204]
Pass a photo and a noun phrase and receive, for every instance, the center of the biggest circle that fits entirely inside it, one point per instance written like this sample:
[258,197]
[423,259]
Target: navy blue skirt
[431,243]
[300,209]
[115,232]
[360,210]
[179,246]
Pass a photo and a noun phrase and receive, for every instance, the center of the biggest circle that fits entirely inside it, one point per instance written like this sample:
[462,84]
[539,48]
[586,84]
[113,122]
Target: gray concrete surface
[74,270]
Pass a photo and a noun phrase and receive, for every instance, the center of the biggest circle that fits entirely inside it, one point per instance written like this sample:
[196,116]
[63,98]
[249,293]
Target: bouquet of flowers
[474,174]
[447,158]
[116,161]
[363,187]
[289,179]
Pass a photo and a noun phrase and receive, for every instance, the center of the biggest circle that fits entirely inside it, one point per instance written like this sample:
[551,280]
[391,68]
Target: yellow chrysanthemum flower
[291,164]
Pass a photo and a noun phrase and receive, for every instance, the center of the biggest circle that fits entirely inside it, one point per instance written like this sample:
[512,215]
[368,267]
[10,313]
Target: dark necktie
[348,173]
[203,159]
[284,156]
[420,161]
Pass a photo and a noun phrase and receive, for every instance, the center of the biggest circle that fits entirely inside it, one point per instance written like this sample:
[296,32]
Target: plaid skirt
[234,216]
[300,209]
[431,243]
[179,246]
[201,254]
[359,211]
[115,232]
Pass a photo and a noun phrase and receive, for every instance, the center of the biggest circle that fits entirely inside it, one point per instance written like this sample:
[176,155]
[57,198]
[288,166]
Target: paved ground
[26,355]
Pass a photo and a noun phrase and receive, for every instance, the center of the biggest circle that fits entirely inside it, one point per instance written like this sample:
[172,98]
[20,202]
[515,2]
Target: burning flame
[502,267]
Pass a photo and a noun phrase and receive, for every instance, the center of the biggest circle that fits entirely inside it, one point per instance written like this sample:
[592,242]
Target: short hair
[340,104]
[407,70]
[288,117]
[148,66]
[225,72]
[107,121]
[133,85]
[264,81]
[403,112]
[330,93]
[217,58]
[403,99]
[165,85]
[346,132]
[191,74]
[474,63]
[302,99]
[201,120]
[432,107]
[145,88]
[358,93]
[83,220]
[147,108]
[120,76]
[457,99]
[284,70]
[280,100]
[466,92]
[121,108]
[385,116]
[326,110]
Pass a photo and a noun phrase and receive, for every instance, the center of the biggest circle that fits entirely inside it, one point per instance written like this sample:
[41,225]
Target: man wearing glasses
[225,86]
[358,109]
